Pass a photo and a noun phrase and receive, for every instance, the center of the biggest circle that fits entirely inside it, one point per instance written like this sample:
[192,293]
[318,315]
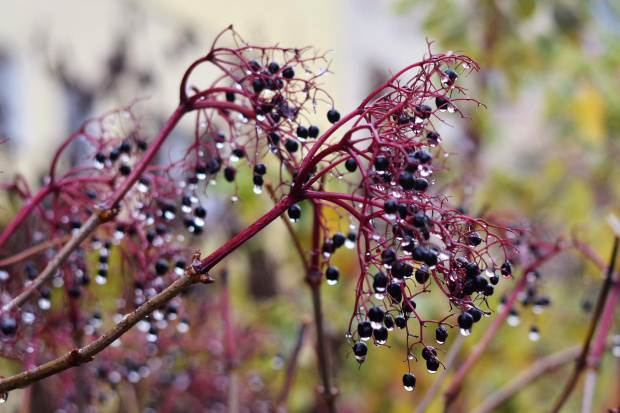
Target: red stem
[150,153]
[24,212]
[218,255]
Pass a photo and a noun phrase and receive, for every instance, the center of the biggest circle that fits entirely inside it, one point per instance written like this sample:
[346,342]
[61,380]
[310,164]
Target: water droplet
[409,388]
[143,326]
[28,317]
[44,303]
[234,198]
[425,170]
[513,320]
[534,335]
[465,331]
[233,158]
[258,189]
[376,325]
[199,222]
[451,108]
[260,118]
[182,327]
[443,255]
[445,80]
[201,176]
[410,356]
[98,165]
[294,219]
[4,397]
[332,282]
[465,65]
[361,359]
[381,342]
[4,275]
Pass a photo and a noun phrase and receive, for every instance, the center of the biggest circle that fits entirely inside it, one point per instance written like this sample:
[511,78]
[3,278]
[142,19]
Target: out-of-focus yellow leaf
[589,114]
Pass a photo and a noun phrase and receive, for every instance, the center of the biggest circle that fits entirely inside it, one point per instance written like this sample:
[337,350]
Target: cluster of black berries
[409,235]
[121,153]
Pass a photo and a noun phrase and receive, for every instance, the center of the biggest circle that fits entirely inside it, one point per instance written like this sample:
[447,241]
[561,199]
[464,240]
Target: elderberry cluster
[411,241]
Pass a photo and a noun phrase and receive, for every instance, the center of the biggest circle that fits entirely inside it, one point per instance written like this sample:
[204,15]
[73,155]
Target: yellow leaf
[589,114]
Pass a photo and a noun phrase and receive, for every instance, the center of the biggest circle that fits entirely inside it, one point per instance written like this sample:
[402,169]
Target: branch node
[313,277]
[194,273]
[106,214]
[75,358]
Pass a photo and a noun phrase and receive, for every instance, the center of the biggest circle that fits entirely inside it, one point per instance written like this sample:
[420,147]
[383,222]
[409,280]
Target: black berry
[333,116]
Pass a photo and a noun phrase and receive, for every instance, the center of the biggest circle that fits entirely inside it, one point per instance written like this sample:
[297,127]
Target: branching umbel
[374,167]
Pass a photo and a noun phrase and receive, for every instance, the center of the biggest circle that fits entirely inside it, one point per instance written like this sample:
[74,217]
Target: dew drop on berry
[534,334]
[258,189]
[4,397]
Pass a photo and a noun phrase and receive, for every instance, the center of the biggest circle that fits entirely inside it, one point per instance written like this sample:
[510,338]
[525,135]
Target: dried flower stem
[292,365]
[596,316]
[53,266]
[27,253]
[581,360]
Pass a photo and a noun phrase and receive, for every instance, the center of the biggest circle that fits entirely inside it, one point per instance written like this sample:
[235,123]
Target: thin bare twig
[313,278]
[282,399]
[53,266]
[85,354]
[604,328]
[34,250]
[537,368]
[600,304]
[230,346]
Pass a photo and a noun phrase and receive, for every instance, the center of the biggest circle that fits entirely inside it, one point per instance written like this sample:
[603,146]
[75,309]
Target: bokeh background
[546,149]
